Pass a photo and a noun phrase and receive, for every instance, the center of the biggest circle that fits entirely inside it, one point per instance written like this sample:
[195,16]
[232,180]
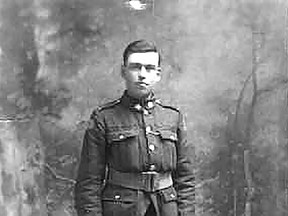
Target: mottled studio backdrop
[225,65]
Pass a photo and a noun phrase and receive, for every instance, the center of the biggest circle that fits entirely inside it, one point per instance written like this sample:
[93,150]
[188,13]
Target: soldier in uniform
[135,159]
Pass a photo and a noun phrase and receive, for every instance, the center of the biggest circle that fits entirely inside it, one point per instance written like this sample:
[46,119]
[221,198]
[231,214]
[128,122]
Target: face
[141,73]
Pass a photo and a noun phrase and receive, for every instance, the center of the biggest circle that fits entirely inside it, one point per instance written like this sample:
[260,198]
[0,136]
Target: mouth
[142,84]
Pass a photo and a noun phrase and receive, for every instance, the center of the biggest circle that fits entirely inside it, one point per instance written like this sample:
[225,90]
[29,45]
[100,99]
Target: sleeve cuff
[184,213]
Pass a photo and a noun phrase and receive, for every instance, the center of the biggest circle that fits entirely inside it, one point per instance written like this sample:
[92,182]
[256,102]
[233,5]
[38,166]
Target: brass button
[151,147]
[148,129]
[152,167]
[121,136]
[172,137]
[150,104]
[172,195]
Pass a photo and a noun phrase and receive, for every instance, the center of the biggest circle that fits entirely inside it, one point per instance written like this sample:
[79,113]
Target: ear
[123,71]
[158,77]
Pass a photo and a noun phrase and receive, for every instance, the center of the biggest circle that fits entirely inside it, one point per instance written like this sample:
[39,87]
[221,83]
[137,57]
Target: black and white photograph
[143,108]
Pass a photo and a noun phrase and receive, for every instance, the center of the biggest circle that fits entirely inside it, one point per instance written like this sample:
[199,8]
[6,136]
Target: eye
[134,66]
[150,67]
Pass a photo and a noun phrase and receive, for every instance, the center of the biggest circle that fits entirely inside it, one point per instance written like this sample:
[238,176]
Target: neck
[138,96]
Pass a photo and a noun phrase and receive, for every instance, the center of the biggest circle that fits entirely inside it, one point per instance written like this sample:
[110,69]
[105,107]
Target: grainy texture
[225,65]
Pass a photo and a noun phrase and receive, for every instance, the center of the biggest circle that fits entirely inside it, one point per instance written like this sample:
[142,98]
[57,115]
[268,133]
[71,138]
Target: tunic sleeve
[91,172]
[184,179]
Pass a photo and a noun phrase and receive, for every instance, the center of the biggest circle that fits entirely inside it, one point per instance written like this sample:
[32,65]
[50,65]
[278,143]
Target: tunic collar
[139,104]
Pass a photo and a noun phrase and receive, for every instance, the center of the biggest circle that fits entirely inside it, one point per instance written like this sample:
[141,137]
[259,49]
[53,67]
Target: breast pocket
[168,139]
[124,151]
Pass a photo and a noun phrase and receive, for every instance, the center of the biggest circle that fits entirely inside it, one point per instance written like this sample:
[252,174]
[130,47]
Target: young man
[135,158]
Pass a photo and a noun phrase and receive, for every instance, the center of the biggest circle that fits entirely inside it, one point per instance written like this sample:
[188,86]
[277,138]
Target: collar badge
[138,107]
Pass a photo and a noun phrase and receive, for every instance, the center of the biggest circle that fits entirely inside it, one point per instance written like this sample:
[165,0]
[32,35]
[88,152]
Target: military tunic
[135,153]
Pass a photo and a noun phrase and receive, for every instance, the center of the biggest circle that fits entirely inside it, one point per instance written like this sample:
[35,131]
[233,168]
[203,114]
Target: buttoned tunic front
[135,152]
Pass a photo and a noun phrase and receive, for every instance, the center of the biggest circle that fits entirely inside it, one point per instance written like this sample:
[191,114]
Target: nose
[142,72]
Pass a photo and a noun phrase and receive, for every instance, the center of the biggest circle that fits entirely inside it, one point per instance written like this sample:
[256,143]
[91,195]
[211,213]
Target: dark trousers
[151,211]
[119,201]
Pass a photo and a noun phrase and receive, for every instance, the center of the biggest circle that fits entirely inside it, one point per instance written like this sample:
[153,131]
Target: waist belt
[148,181]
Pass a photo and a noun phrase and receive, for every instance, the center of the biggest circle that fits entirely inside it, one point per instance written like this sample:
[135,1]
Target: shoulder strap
[108,105]
[166,106]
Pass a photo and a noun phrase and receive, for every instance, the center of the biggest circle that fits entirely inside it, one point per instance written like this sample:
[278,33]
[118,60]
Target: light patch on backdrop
[139,4]
[135,5]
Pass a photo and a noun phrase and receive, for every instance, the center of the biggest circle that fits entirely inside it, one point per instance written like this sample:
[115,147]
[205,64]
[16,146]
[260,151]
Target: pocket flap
[168,134]
[119,195]
[122,134]
[118,198]
[169,194]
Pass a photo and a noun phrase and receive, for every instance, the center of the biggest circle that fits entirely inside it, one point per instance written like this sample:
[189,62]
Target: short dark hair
[139,46]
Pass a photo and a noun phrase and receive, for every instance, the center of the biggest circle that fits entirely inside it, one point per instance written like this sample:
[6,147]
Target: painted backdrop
[224,65]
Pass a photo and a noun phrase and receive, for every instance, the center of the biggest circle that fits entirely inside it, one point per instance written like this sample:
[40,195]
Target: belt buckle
[150,179]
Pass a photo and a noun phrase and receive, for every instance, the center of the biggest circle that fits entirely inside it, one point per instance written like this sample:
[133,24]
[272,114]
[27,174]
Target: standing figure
[135,158]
